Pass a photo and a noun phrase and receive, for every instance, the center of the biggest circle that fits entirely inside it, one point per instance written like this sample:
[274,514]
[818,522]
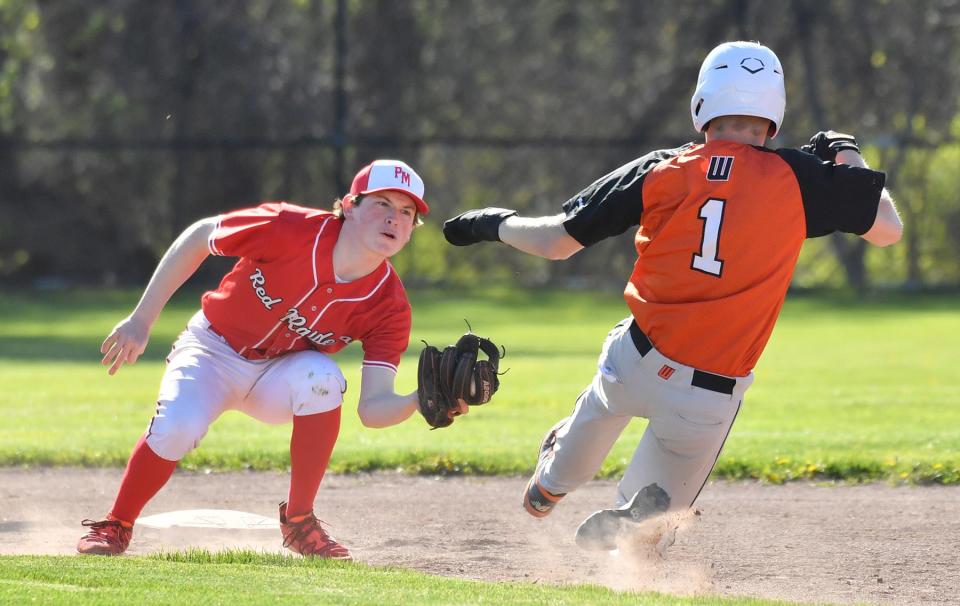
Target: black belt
[701,379]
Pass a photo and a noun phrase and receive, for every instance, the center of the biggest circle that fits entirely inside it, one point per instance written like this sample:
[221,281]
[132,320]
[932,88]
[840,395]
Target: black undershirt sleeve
[613,203]
[836,197]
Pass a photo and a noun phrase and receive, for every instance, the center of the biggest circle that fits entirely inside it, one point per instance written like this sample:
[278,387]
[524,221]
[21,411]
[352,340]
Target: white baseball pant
[205,377]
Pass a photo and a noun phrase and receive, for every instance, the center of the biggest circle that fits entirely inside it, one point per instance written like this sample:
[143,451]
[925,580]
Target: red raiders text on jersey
[282,294]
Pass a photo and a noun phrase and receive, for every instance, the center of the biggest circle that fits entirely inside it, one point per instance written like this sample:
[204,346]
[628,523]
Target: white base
[209,518]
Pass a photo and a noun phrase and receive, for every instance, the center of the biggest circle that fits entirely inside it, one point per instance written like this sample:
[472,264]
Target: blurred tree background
[122,121]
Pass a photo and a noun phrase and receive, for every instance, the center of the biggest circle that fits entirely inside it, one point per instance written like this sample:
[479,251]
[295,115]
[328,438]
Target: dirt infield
[870,544]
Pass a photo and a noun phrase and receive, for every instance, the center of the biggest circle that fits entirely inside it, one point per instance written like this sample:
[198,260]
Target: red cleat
[307,537]
[106,537]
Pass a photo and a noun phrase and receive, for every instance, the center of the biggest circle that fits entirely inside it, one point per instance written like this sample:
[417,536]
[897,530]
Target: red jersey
[721,226]
[282,295]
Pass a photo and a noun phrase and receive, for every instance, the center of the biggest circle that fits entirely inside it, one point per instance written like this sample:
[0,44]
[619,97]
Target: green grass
[848,389]
[242,577]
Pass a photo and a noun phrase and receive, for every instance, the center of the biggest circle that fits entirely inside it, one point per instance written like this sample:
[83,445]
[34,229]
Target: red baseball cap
[390,175]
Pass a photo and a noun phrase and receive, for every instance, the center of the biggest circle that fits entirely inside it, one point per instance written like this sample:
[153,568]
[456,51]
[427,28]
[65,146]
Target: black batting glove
[480,225]
[826,144]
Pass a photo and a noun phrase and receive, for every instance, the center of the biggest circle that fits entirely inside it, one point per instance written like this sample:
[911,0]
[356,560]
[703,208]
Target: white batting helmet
[739,79]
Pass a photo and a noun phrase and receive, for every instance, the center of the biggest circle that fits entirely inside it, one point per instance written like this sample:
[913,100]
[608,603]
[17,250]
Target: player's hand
[462,409]
[125,343]
[826,144]
[481,225]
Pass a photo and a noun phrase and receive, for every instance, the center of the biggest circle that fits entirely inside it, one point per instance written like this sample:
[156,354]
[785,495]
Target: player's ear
[349,202]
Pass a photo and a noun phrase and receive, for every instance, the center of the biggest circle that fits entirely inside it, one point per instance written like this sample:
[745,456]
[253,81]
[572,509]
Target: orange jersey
[721,226]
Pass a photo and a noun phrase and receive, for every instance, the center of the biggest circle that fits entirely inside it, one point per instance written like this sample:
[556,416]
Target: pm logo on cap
[390,175]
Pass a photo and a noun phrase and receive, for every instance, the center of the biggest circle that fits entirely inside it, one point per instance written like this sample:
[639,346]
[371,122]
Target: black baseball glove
[826,144]
[480,225]
[444,378]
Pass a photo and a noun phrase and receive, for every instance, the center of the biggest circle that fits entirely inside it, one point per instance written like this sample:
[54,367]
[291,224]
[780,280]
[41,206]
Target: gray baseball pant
[686,431]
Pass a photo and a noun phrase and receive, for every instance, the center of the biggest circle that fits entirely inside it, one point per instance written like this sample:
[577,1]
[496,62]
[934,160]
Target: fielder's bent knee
[316,383]
[173,440]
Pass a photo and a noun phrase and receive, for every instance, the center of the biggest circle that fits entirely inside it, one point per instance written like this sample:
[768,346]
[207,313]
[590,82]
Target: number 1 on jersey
[706,260]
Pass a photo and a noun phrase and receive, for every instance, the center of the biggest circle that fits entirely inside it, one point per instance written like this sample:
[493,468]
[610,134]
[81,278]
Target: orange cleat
[537,500]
